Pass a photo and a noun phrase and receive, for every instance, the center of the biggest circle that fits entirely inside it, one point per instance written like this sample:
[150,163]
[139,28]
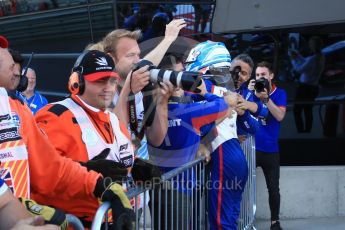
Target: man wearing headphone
[33,168]
[82,129]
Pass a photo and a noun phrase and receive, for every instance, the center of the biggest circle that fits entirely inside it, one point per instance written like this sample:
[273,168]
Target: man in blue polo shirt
[266,138]
[33,99]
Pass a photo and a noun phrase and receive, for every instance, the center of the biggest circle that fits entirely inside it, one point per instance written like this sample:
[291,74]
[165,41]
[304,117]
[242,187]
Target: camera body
[262,84]
[235,75]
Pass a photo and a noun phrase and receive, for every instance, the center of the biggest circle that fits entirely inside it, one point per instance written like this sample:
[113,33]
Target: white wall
[239,15]
[309,191]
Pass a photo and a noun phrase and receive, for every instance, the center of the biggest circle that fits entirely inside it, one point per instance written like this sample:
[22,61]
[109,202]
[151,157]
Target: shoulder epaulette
[57,109]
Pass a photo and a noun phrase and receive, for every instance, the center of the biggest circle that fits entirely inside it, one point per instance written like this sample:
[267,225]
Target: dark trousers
[270,165]
[306,93]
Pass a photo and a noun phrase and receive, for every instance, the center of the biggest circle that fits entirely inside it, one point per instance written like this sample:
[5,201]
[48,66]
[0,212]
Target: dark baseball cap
[95,65]
[3,42]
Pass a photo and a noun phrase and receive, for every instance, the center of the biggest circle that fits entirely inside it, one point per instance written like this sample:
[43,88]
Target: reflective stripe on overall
[14,169]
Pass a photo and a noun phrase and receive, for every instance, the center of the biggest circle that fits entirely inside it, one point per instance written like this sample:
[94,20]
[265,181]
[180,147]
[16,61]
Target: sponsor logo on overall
[123,147]
[5,117]
[10,134]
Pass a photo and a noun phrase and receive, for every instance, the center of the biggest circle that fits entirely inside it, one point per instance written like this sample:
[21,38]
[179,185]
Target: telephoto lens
[186,80]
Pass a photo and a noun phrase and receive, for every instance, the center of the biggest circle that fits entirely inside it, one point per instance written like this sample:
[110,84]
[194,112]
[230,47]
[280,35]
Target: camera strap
[133,121]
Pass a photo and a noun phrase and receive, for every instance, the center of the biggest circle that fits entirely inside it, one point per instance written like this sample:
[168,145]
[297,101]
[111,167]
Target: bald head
[8,71]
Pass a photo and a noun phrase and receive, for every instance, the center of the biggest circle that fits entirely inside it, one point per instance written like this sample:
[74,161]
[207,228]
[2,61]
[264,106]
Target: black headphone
[23,83]
[76,82]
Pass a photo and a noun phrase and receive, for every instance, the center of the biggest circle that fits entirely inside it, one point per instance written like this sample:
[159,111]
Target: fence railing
[248,204]
[178,200]
[74,222]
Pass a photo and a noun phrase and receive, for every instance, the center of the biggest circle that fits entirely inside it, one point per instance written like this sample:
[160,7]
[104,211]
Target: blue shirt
[266,138]
[246,123]
[36,102]
[186,123]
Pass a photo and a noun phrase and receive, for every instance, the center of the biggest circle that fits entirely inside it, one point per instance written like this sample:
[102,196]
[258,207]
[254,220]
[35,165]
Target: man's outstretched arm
[171,32]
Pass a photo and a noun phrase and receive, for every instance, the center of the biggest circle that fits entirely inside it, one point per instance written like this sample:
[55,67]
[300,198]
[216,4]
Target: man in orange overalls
[30,163]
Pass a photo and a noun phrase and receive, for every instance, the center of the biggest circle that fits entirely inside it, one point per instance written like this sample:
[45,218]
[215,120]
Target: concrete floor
[329,223]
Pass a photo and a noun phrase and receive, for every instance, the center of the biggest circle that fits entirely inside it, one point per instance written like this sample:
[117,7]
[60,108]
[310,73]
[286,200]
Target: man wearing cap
[31,165]
[82,129]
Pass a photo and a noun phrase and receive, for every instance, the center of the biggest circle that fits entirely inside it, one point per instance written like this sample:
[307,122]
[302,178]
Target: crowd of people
[70,155]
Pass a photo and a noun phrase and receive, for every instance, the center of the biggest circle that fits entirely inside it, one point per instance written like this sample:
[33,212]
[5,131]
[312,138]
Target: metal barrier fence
[74,222]
[177,200]
[248,204]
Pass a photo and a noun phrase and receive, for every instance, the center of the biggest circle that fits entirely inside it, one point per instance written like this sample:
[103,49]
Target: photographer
[47,176]
[266,138]
[123,47]
[188,121]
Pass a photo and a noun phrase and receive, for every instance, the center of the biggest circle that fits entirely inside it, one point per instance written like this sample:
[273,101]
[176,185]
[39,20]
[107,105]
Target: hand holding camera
[139,79]
[263,96]
[251,84]
[202,88]
[164,92]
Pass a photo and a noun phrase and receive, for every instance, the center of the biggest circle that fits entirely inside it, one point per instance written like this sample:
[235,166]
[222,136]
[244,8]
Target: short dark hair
[267,65]
[17,57]
[245,58]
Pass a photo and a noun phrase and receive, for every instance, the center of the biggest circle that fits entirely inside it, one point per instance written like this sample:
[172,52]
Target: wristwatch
[265,100]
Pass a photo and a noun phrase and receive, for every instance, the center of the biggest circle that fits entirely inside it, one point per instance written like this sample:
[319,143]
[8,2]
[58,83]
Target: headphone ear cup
[73,83]
[23,83]
[81,83]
